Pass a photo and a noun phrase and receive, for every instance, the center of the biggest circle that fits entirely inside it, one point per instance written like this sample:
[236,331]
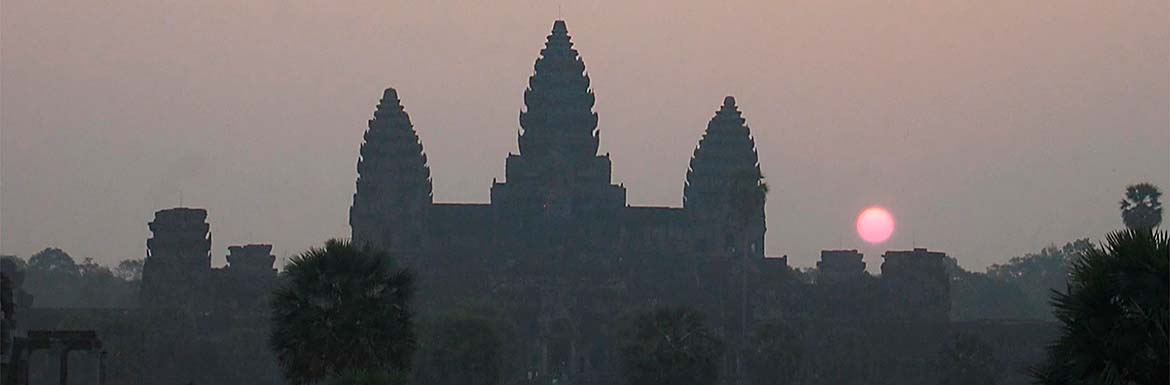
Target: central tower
[557,179]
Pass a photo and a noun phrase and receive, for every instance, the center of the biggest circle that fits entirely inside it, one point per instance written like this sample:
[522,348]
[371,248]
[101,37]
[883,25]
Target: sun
[875,224]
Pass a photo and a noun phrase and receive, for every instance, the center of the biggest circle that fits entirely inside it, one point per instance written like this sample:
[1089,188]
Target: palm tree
[749,194]
[342,310]
[1141,209]
[670,346]
[1115,314]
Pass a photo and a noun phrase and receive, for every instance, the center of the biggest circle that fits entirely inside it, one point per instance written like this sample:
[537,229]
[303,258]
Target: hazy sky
[988,128]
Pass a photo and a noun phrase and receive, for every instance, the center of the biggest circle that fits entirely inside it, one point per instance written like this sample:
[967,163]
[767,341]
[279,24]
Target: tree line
[56,280]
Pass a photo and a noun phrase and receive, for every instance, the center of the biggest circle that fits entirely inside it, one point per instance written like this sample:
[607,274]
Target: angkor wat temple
[557,260]
[561,255]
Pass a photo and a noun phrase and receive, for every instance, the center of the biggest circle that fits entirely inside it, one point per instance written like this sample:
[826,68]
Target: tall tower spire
[394,182]
[557,175]
[559,121]
[724,161]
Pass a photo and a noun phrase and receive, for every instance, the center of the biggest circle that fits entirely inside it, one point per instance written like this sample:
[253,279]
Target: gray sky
[988,128]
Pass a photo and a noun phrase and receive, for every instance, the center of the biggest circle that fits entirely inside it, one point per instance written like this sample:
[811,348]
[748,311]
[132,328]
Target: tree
[1114,314]
[670,346]
[1037,274]
[89,269]
[969,360]
[17,263]
[459,351]
[1140,209]
[773,355]
[56,280]
[749,195]
[342,309]
[52,260]
[129,270]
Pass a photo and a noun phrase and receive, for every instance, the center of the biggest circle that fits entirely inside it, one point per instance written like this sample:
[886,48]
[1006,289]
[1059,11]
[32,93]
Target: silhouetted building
[251,259]
[917,285]
[207,325]
[557,192]
[557,256]
[558,246]
[840,266]
[178,260]
[723,168]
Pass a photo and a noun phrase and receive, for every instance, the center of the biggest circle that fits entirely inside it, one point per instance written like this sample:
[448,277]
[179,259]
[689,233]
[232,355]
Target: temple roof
[559,118]
[392,167]
[726,151]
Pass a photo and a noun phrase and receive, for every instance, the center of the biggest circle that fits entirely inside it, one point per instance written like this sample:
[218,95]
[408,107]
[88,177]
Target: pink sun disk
[875,225]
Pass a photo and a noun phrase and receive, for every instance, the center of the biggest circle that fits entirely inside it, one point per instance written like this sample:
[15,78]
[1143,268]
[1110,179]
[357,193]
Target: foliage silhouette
[342,309]
[129,269]
[1114,314]
[53,260]
[670,346]
[54,279]
[1141,209]
[1035,275]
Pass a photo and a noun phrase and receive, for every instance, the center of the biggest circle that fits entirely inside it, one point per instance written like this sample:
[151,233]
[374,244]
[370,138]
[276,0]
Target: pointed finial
[390,94]
[559,27]
[729,102]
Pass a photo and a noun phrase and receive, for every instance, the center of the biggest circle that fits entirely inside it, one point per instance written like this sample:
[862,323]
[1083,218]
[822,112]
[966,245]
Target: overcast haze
[988,128]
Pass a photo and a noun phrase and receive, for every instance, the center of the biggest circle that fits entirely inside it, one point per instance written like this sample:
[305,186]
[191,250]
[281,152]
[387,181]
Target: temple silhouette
[559,250]
[557,191]
[556,262]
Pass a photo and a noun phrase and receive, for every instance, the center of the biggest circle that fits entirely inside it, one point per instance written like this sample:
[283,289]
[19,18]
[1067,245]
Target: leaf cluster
[1114,315]
[342,309]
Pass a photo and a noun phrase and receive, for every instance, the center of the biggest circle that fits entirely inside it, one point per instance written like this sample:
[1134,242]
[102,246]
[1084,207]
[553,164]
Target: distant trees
[975,295]
[459,351]
[55,279]
[968,360]
[1037,274]
[343,312]
[1018,288]
[129,269]
[1140,208]
[670,346]
[52,260]
[1115,314]
[772,355]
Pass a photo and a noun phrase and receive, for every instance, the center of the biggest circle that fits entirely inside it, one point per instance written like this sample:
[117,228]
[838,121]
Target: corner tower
[723,181]
[394,182]
[557,173]
[178,259]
